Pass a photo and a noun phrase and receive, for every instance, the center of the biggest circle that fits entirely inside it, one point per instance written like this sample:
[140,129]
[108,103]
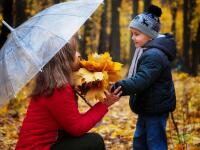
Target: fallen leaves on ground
[118,126]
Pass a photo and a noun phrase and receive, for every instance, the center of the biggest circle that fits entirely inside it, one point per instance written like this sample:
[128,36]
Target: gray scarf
[137,55]
[133,67]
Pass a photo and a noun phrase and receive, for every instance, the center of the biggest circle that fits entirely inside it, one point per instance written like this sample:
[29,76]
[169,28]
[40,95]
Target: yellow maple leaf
[95,93]
[83,75]
[96,73]
[101,62]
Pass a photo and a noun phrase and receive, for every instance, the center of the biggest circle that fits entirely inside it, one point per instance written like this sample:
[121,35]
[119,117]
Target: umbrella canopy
[31,45]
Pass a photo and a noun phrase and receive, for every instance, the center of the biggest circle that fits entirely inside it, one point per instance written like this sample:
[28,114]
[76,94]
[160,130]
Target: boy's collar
[159,36]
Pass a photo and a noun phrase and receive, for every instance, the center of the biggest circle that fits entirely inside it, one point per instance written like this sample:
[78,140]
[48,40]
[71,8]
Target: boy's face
[139,38]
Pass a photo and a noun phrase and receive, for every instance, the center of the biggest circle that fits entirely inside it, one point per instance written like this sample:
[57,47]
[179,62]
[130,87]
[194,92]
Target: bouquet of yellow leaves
[95,75]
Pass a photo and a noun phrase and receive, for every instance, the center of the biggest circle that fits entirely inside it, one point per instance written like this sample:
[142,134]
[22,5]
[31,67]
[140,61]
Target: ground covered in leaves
[118,125]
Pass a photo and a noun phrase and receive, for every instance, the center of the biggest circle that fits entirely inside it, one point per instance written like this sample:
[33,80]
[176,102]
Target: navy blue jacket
[152,90]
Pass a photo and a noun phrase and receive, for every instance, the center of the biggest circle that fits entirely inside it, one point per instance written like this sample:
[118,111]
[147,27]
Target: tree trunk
[147,3]
[103,35]
[7,6]
[163,2]
[186,33]
[196,53]
[173,11]
[20,12]
[115,32]
[45,4]
[83,41]
[56,1]
[135,12]
[189,7]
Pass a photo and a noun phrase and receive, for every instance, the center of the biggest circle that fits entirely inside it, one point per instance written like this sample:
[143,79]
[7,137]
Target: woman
[53,109]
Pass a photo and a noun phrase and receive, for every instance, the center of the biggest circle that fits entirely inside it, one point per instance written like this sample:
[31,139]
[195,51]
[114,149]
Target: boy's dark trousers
[150,132]
[89,141]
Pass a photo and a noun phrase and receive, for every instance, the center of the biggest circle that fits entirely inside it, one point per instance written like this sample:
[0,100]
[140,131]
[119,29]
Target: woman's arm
[64,109]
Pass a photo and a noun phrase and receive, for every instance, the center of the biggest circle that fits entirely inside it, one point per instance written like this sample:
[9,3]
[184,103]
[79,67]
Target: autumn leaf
[95,75]
[101,62]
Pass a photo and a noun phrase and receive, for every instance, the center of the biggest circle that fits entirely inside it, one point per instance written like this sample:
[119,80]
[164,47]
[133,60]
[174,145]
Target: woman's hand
[112,97]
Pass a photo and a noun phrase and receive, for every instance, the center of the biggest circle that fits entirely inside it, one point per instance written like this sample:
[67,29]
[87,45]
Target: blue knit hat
[148,22]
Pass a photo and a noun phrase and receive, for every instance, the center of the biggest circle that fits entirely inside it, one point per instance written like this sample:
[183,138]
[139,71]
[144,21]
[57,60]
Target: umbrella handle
[8,26]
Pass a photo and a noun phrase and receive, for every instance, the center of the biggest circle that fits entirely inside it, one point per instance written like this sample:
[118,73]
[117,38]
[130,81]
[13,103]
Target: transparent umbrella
[31,45]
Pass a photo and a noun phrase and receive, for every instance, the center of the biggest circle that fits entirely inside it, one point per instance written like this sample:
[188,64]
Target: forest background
[107,30]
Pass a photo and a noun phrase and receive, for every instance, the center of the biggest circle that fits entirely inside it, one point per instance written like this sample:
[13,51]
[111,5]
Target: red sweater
[45,116]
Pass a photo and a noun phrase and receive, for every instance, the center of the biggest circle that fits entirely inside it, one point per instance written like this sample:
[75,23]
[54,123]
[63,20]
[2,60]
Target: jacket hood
[165,43]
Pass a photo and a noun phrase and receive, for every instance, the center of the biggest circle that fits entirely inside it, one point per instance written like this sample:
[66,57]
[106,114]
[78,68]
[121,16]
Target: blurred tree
[195,35]
[56,1]
[45,3]
[7,9]
[147,3]
[103,35]
[173,6]
[196,52]
[163,2]
[135,12]
[135,8]
[188,8]
[186,33]
[115,32]
[20,8]
[83,41]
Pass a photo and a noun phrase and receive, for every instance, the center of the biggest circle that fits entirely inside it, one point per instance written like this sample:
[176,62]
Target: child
[53,109]
[149,82]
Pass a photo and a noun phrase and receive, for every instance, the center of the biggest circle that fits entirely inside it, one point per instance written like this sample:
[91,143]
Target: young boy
[149,82]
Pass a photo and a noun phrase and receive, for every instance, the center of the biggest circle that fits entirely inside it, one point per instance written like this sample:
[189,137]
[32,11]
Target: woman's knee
[97,141]
[89,141]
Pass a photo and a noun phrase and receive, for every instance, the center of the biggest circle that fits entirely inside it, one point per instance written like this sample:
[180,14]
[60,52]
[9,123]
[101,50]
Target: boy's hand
[116,85]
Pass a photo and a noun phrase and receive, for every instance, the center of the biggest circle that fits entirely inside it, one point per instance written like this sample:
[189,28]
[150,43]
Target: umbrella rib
[43,29]
[58,14]
[65,3]
[31,27]
[7,90]
[4,83]
[1,58]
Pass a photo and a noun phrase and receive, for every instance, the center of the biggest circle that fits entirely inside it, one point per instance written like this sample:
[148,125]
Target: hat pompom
[155,10]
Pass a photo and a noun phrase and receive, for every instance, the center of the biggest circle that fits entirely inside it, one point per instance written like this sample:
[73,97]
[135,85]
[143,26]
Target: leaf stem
[83,98]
